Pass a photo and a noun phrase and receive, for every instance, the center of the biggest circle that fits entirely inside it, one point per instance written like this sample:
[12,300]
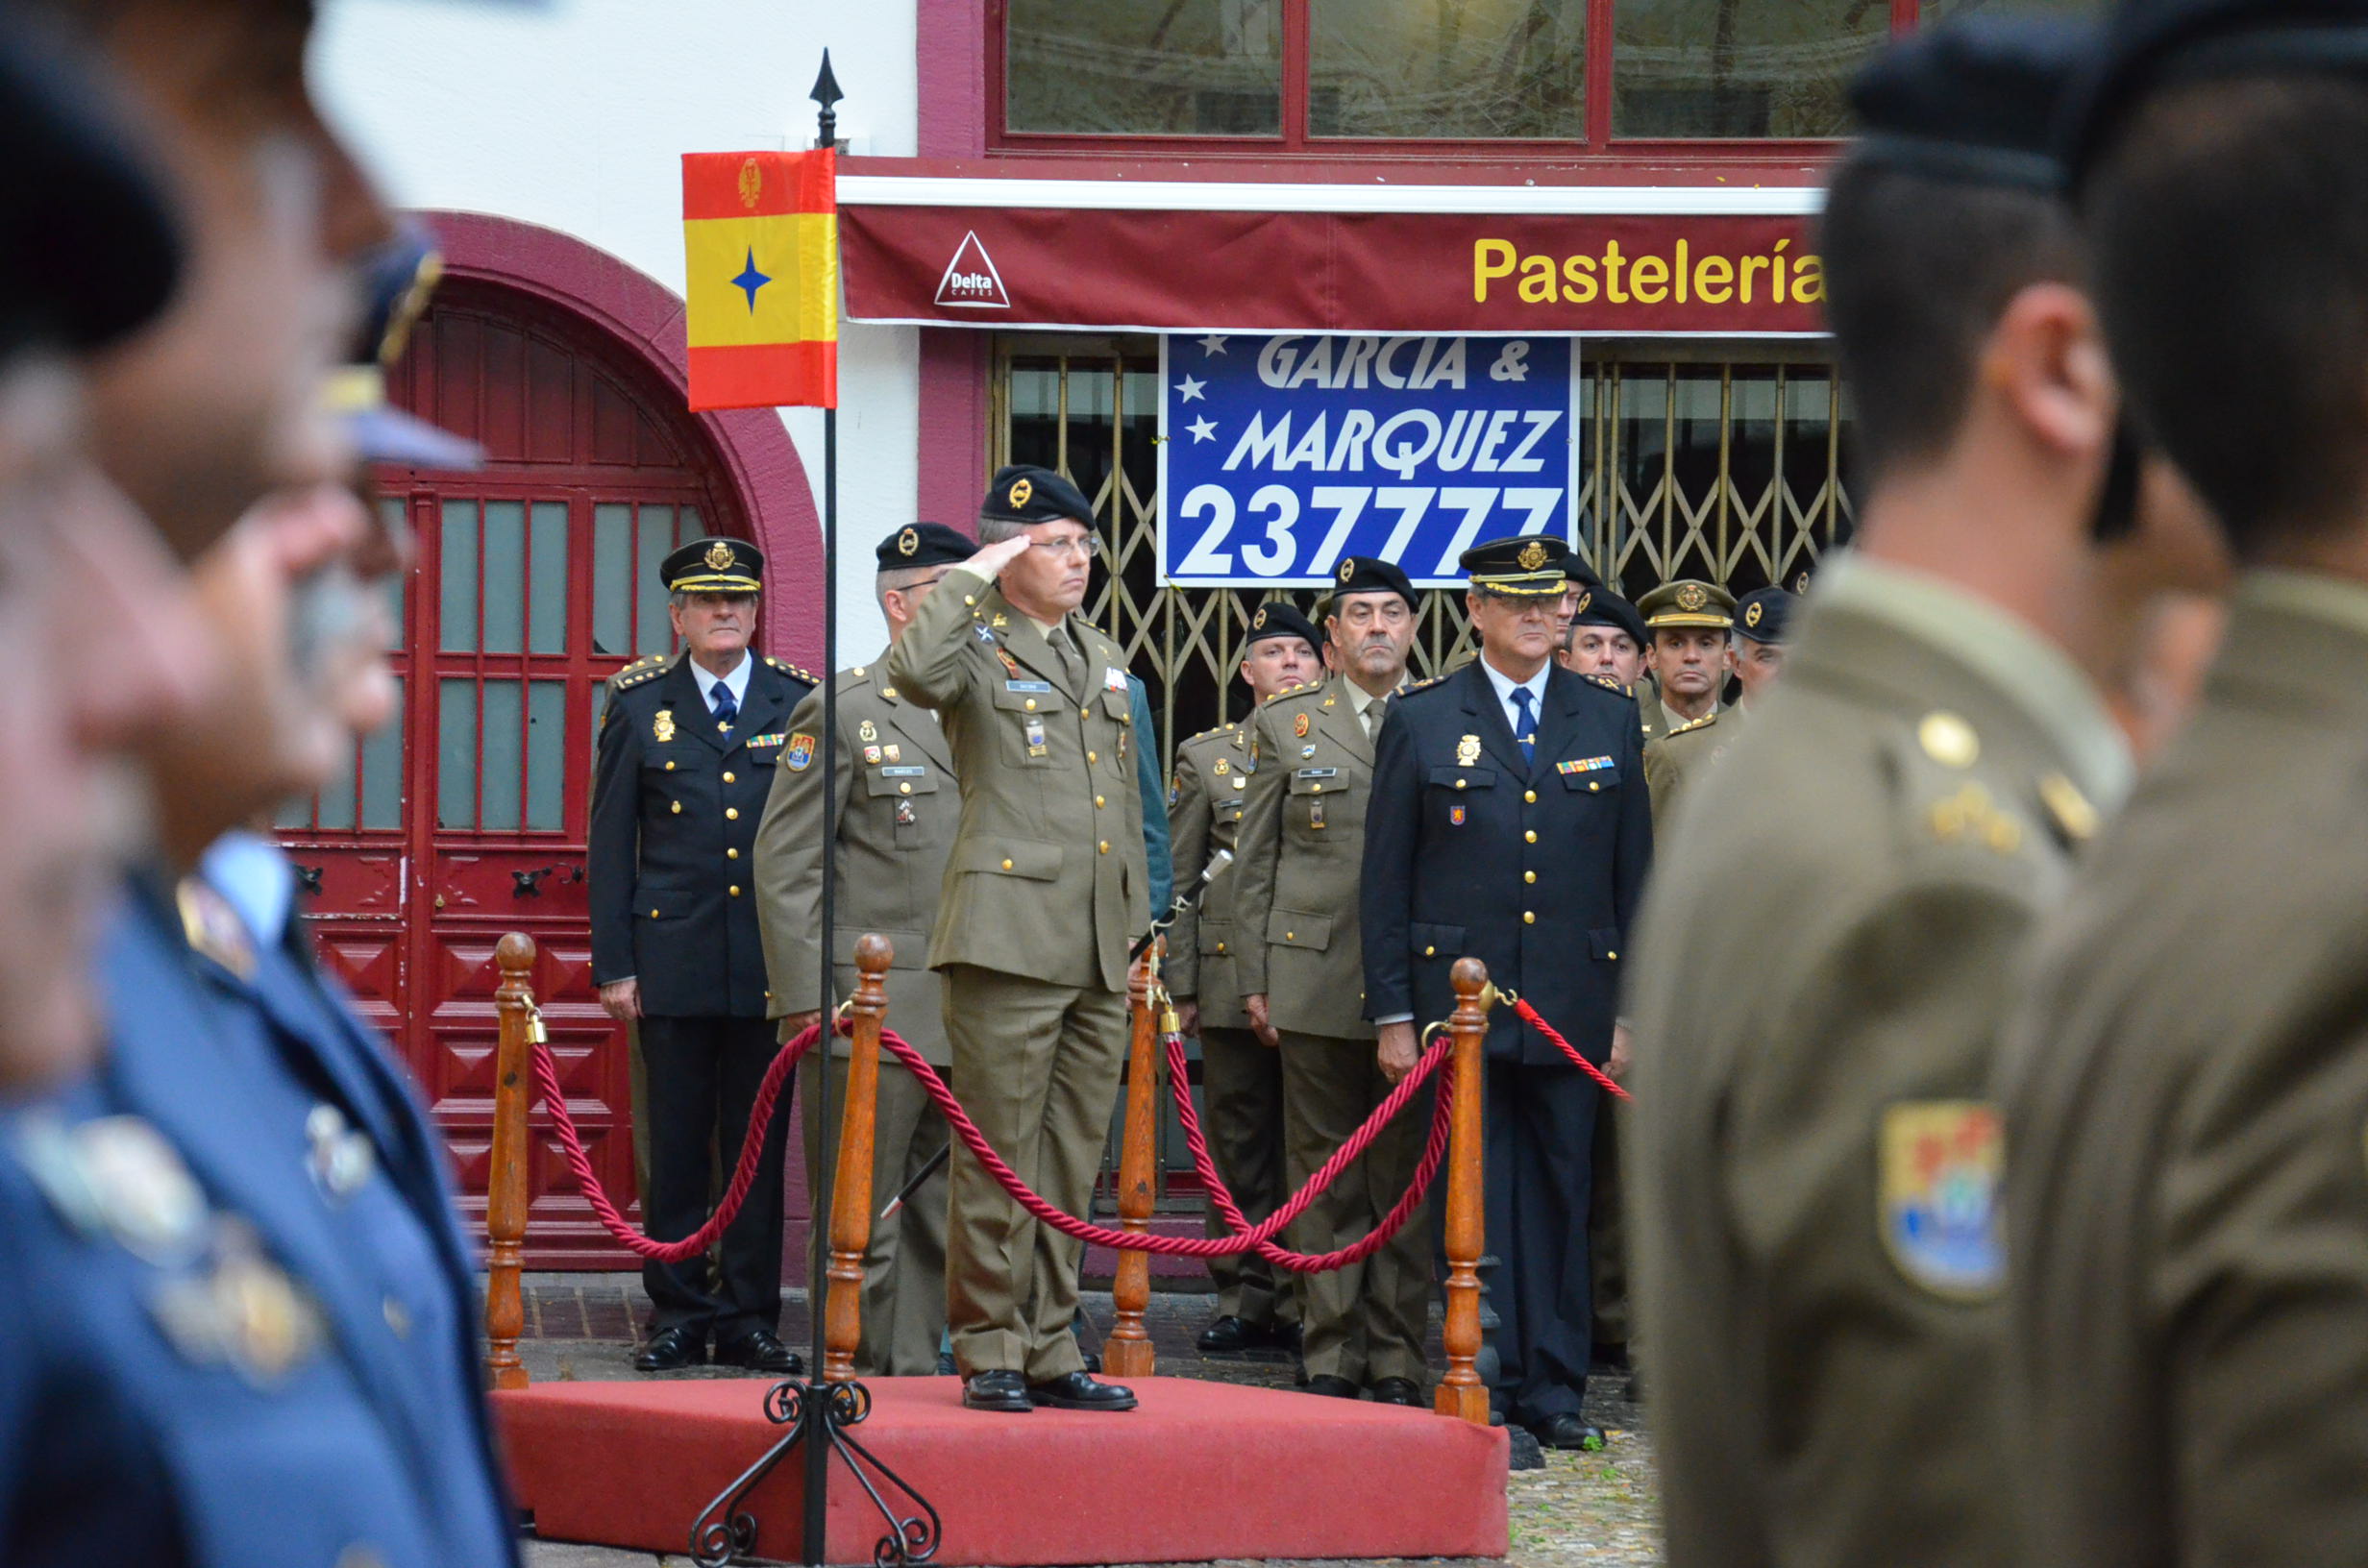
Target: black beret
[1525,565]
[1973,100]
[2148,42]
[924,543]
[1024,493]
[714,565]
[1764,614]
[1368,575]
[1602,607]
[1280,620]
[89,251]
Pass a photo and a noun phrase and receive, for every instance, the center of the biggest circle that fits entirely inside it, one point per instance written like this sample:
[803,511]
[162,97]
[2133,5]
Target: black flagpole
[827,94]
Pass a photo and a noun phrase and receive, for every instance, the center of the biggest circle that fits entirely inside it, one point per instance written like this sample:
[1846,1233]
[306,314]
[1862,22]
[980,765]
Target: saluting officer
[1757,654]
[1300,971]
[895,829]
[1045,887]
[1815,1158]
[1507,823]
[1241,1075]
[687,750]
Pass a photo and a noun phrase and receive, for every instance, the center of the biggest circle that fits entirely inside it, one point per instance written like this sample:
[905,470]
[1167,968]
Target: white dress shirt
[1505,686]
[737,682]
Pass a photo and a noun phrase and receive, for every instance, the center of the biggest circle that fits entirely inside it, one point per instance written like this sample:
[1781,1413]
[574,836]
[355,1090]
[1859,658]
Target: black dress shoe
[1331,1386]
[1396,1391]
[1228,1336]
[670,1350]
[1568,1432]
[1081,1392]
[997,1392]
[760,1352]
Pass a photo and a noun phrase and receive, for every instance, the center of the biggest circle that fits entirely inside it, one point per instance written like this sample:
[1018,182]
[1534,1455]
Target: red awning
[1187,255]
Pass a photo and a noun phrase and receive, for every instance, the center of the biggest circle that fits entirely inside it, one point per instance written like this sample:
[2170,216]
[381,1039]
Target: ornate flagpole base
[726,1531]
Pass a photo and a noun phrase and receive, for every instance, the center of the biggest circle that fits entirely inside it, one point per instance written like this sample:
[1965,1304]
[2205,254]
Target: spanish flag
[760,231]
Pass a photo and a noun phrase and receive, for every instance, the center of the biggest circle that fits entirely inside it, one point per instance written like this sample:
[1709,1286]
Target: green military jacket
[1683,753]
[2187,1094]
[1814,1158]
[1205,815]
[1301,861]
[1047,877]
[897,806]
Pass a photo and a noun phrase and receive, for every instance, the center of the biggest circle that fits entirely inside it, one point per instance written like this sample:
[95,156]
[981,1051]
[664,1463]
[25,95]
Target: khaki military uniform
[1241,1079]
[1814,1159]
[897,804]
[1302,844]
[1045,885]
[1683,753]
[2186,1096]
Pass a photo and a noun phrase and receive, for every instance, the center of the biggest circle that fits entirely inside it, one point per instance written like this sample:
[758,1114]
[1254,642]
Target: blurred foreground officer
[1241,1074]
[1691,625]
[896,818]
[254,1309]
[1814,1162]
[217,402]
[1045,887]
[687,750]
[1762,621]
[1300,964]
[2189,1083]
[1507,823]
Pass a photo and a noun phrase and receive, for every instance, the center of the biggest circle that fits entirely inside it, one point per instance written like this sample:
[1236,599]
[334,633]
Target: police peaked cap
[1367,574]
[2148,43]
[714,565]
[924,543]
[1602,607]
[89,251]
[1525,566]
[1974,100]
[1764,614]
[1280,620]
[1024,493]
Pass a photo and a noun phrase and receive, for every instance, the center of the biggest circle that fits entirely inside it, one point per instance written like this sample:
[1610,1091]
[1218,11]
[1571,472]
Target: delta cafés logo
[970,282]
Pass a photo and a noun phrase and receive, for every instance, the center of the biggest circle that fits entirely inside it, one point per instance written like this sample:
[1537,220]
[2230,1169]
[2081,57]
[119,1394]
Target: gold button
[1458,783]
[397,1319]
[1529,876]
[730,853]
[1430,952]
[1221,946]
[1090,757]
[1530,837]
[731,814]
[1007,865]
[670,764]
[970,599]
[1030,704]
[890,694]
[1097,802]
[653,914]
[1085,713]
[904,789]
[1291,936]
[677,808]
[1316,790]
[1611,955]
[1529,917]
[734,890]
[1593,788]
[1948,740]
[1104,846]
[1530,796]
[728,779]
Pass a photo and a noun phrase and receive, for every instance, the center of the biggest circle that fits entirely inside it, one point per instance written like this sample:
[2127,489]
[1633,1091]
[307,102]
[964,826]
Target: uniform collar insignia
[212,928]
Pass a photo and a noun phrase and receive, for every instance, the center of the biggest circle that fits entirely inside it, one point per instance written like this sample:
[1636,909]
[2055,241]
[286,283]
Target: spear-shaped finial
[827,94]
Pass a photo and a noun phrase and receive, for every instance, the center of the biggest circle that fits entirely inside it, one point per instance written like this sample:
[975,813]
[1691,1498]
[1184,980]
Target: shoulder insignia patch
[640,670]
[1609,685]
[788,669]
[1703,723]
[801,753]
[1421,686]
[1941,1165]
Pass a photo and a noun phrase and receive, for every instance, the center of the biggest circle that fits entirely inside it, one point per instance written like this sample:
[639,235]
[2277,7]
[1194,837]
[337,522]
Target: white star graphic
[1203,430]
[1189,389]
[1213,344]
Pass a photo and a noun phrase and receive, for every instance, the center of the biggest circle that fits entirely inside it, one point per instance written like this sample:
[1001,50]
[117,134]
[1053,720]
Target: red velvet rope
[1529,1015]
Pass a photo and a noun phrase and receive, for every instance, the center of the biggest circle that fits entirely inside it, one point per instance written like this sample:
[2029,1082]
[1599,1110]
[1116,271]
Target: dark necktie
[725,709]
[1525,727]
[1071,660]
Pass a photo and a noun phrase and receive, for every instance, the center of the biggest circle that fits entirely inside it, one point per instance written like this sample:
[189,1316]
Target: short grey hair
[994,530]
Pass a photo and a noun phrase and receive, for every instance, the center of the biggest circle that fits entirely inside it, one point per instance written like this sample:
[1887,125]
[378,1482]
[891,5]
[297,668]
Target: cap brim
[389,436]
[1720,623]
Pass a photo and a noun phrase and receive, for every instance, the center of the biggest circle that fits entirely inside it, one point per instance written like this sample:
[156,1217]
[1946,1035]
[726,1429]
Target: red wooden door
[534,580]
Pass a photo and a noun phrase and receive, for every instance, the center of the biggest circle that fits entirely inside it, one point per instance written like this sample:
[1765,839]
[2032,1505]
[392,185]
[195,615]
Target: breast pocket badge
[1315,814]
[906,813]
[1468,751]
[1035,733]
[662,725]
[1455,816]
[1941,1164]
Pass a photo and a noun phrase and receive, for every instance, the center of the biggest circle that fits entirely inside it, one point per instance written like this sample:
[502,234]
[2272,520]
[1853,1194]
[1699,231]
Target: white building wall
[573,114]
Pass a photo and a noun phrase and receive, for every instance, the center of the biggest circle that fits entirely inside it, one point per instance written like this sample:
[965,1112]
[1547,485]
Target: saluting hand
[990,560]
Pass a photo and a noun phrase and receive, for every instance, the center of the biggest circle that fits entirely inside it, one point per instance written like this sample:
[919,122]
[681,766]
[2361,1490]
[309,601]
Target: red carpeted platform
[1201,1471]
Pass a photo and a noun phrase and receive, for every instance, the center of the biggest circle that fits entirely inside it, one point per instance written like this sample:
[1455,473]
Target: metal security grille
[1721,462]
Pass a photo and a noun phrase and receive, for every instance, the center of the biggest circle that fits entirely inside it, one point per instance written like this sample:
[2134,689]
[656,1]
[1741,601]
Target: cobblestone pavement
[1582,1510]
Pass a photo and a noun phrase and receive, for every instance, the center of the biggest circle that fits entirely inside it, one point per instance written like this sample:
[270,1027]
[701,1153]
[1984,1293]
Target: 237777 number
[1275,553]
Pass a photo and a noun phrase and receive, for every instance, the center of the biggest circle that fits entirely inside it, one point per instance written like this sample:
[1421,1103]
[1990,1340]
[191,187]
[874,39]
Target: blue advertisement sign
[1280,455]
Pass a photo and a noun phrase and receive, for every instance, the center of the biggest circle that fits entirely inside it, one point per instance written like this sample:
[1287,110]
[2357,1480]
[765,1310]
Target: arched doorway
[534,580]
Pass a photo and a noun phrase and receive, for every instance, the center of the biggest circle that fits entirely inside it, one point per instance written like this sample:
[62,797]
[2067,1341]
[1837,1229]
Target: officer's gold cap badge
[1021,491]
[1691,596]
[1532,556]
[1751,617]
[908,542]
[719,556]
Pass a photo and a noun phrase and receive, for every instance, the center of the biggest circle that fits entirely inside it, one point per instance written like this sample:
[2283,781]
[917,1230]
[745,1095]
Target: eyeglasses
[1083,546]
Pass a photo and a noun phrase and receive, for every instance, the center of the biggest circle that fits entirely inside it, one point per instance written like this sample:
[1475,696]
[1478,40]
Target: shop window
[1741,68]
[1482,70]
[1137,67]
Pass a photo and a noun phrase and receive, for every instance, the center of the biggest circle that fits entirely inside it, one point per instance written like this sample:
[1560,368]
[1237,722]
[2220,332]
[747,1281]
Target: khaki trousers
[1036,1066]
[904,1267]
[1365,1322]
[1242,1083]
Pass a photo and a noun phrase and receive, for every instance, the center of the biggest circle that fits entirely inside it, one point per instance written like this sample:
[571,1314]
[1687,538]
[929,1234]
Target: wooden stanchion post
[506,1187]
[1127,1352]
[850,1189]
[1461,1393]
